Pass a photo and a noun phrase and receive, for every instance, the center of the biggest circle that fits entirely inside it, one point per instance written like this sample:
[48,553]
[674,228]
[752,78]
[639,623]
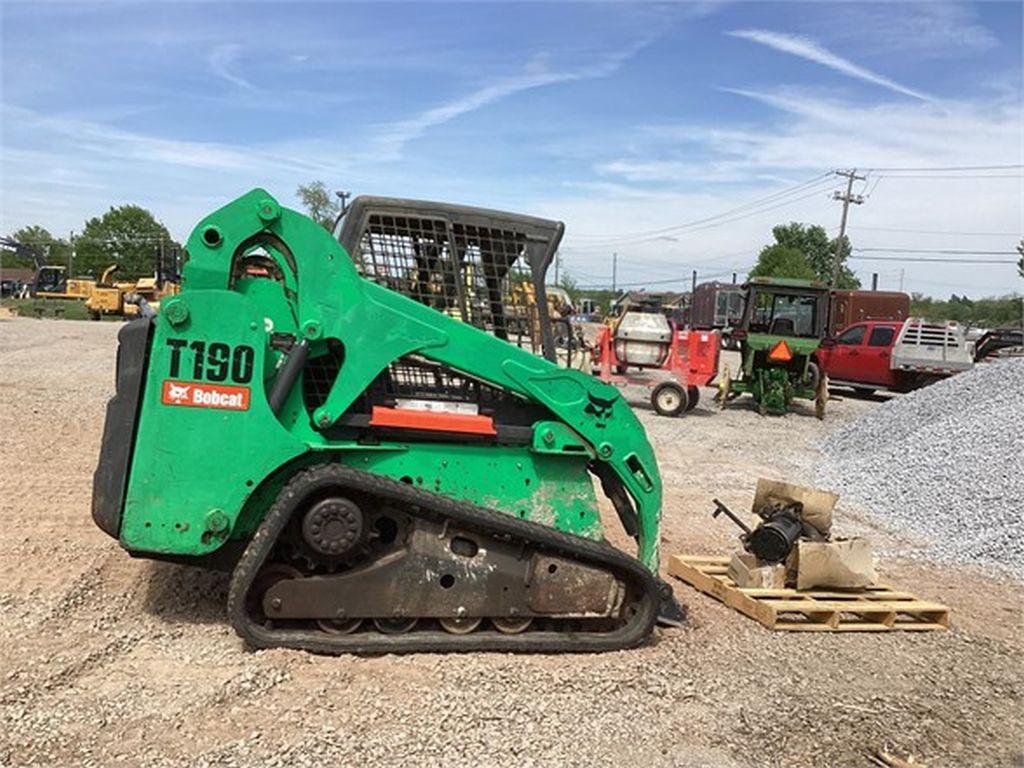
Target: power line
[959,285]
[933,260]
[816,181]
[665,281]
[937,250]
[634,241]
[952,168]
[931,176]
[934,231]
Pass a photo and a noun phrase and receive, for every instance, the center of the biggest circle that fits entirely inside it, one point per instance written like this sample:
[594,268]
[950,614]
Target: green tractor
[381,472]
[783,323]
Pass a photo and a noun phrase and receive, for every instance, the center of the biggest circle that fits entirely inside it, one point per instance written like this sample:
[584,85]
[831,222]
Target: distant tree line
[128,236]
[993,312]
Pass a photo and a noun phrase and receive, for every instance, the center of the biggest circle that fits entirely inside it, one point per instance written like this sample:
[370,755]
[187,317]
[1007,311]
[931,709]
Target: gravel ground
[945,462]
[110,661]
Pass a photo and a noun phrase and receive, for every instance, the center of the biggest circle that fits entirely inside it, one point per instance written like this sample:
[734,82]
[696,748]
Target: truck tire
[813,375]
[669,399]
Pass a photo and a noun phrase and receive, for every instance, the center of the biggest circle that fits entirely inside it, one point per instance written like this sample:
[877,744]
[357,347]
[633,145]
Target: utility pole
[558,260]
[615,267]
[734,278]
[846,198]
[693,287]
[874,281]
[342,207]
[71,255]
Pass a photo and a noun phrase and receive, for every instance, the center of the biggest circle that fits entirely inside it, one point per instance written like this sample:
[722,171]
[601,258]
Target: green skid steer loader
[379,474]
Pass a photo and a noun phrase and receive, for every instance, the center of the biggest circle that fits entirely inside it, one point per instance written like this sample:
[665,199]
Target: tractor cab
[788,308]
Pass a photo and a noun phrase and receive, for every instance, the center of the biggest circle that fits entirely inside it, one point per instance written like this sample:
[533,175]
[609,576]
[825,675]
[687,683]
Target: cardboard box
[818,505]
[836,564]
[746,571]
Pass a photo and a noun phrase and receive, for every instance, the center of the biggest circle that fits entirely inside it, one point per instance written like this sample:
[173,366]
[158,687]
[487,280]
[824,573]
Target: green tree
[813,242]
[320,204]
[53,250]
[569,284]
[782,261]
[989,312]
[128,236]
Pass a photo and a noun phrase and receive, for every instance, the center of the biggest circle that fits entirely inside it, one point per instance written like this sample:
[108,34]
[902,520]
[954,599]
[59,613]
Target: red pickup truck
[894,354]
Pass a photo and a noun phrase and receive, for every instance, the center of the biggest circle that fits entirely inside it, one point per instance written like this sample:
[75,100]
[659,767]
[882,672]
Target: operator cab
[480,266]
[50,279]
[788,308]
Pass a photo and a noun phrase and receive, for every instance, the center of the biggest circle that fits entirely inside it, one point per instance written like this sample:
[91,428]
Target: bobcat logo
[177,393]
[600,409]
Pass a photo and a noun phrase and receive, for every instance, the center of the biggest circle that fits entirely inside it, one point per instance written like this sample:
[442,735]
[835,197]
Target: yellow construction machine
[120,299]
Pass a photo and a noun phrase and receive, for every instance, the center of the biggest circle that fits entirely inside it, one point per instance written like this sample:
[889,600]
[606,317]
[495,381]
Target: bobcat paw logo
[177,393]
[600,409]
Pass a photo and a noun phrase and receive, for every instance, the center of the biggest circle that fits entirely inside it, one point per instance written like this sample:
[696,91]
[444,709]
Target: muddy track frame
[632,633]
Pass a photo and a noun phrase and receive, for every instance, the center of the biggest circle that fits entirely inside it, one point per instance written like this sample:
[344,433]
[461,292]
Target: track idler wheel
[460,626]
[339,626]
[394,626]
[510,626]
[265,579]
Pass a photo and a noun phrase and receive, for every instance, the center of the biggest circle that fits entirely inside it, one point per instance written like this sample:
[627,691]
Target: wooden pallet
[875,609]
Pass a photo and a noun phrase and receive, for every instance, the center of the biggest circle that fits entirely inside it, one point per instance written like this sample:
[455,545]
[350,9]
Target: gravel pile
[945,462]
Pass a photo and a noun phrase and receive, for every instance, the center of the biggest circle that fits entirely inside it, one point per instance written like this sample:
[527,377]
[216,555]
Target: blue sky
[621,119]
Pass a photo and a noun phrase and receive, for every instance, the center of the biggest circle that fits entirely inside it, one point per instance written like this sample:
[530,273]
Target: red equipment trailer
[685,361]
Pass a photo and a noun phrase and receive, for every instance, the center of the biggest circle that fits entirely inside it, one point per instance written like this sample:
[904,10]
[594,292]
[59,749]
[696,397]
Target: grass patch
[67,309]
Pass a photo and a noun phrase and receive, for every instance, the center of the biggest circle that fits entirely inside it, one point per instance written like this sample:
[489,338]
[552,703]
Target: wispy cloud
[808,49]
[536,74]
[105,141]
[220,60]
[930,30]
[818,132]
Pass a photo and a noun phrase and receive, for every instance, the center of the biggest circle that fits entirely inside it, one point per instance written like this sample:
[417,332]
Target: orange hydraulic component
[432,421]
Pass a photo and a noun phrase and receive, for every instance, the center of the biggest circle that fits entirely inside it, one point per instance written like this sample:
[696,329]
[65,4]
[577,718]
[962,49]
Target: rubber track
[548,539]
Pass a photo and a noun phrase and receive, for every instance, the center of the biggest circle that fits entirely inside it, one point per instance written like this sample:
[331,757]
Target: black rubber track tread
[260,546]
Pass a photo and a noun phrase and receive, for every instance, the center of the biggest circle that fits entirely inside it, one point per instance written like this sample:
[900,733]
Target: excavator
[380,472]
[50,281]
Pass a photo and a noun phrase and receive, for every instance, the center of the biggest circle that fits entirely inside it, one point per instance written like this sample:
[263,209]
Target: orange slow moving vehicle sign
[201,395]
[780,353]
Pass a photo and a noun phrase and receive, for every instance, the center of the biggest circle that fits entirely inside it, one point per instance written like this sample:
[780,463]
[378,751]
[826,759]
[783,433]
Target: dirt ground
[106,660]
